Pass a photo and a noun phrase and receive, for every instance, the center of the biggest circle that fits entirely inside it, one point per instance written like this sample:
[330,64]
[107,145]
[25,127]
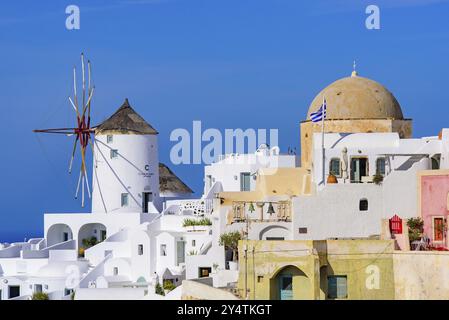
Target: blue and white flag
[320,114]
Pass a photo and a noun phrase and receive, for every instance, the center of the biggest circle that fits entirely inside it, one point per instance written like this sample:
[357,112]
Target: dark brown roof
[170,183]
[125,121]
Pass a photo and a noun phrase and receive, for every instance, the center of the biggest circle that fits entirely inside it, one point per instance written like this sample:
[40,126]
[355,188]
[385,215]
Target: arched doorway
[58,233]
[290,283]
[91,234]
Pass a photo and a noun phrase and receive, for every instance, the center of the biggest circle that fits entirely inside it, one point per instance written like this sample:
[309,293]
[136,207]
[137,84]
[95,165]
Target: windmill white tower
[126,164]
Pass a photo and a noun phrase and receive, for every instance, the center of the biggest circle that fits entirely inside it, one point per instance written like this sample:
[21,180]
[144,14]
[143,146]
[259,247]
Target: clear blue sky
[229,63]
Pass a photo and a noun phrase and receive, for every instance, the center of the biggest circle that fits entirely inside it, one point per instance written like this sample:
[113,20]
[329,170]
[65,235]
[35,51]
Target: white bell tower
[126,164]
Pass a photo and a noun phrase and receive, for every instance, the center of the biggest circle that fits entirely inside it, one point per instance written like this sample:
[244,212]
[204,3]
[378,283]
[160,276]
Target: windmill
[82,130]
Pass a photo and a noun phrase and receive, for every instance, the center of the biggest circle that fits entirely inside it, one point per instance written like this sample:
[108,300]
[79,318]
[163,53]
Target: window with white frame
[193,243]
[163,250]
[124,200]
[115,271]
[114,153]
[334,167]
[109,138]
[380,166]
[140,249]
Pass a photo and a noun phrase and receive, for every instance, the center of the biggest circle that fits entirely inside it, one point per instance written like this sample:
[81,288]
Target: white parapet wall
[194,290]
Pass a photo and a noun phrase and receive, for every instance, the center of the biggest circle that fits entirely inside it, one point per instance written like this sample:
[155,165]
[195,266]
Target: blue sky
[229,63]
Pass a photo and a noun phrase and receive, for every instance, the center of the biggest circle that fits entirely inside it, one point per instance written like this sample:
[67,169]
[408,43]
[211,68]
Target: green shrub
[168,285]
[378,179]
[415,228]
[195,222]
[159,290]
[39,296]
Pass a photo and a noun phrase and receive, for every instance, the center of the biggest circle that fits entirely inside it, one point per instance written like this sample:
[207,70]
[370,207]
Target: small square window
[140,249]
[163,250]
[109,139]
[363,205]
[114,153]
[124,200]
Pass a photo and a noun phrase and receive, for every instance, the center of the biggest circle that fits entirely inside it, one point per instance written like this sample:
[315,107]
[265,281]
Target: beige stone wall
[421,275]
[403,127]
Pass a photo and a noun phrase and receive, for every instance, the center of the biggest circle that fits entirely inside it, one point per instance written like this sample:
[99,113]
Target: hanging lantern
[270,209]
[251,207]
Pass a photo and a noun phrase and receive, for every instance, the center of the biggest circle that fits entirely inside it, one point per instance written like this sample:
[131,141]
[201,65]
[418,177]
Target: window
[140,249]
[337,287]
[109,138]
[124,200]
[38,288]
[436,162]
[204,272]
[114,153]
[259,279]
[363,205]
[193,243]
[438,229]
[334,167]
[14,291]
[163,250]
[380,166]
[115,271]
[68,292]
[245,181]
[359,169]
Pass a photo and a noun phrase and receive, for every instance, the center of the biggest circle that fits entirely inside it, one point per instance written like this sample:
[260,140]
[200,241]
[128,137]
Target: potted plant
[230,241]
[378,179]
[415,229]
[193,224]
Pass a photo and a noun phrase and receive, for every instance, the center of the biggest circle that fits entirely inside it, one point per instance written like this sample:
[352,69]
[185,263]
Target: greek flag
[320,114]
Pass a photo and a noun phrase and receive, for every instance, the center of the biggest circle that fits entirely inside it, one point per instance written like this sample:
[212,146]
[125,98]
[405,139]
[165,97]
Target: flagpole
[322,139]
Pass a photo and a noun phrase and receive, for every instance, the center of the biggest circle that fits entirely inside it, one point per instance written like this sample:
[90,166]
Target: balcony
[259,211]
[196,207]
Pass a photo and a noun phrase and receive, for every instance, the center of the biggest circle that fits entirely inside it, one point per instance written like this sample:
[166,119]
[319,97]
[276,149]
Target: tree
[231,241]
[159,290]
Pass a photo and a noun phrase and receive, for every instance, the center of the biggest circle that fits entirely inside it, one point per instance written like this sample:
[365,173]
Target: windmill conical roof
[125,121]
[170,182]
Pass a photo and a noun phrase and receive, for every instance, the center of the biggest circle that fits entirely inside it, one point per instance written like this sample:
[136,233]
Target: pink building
[434,204]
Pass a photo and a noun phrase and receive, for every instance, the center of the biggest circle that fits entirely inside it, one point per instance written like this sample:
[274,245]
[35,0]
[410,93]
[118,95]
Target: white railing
[196,207]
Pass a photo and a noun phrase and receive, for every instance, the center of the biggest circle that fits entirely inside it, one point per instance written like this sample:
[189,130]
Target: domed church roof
[357,97]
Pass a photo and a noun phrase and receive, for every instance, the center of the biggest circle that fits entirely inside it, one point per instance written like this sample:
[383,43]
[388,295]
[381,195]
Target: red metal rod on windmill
[83,130]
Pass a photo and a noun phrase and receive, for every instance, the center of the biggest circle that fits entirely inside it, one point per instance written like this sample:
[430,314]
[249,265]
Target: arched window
[363,205]
[380,166]
[334,167]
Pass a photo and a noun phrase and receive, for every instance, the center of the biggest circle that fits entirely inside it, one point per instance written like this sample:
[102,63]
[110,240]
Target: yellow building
[314,270]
